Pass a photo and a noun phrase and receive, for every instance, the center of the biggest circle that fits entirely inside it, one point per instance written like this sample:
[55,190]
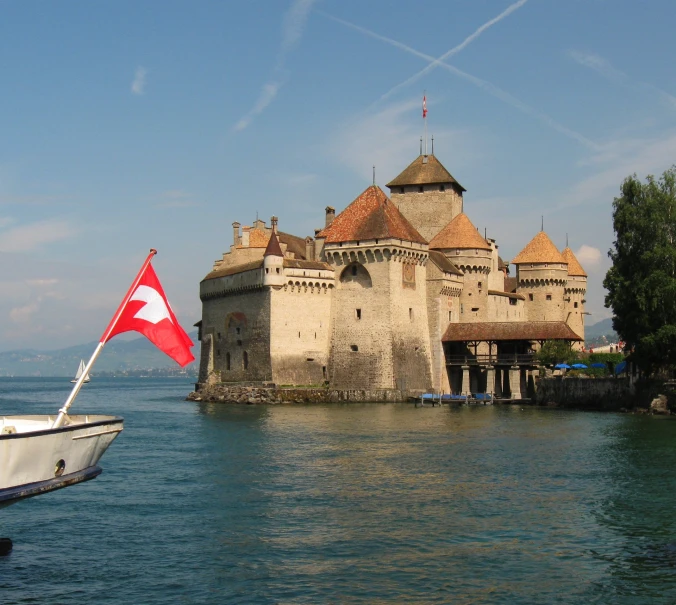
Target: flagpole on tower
[424,111]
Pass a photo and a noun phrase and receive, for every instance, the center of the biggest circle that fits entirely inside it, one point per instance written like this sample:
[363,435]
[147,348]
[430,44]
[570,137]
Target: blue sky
[135,124]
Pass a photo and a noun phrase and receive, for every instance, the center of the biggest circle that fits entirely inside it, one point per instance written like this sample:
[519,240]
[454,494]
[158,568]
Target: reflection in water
[373,503]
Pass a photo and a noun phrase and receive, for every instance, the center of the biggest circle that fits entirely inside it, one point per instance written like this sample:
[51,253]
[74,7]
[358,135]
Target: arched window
[245,360]
[355,276]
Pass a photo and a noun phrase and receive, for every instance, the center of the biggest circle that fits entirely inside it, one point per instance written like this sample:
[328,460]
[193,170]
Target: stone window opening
[277,269]
[549,297]
[310,359]
[358,311]
[267,270]
[219,334]
[410,313]
[227,361]
[442,188]
[324,372]
[475,309]
[530,297]
[401,190]
[298,334]
[245,360]
[421,189]
[575,305]
[450,315]
[315,335]
[354,269]
[512,301]
[479,284]
[354,348]
[238,330]
[462,309]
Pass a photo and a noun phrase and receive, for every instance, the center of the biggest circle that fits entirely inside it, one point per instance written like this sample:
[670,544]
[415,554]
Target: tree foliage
[641,283]
[556,351]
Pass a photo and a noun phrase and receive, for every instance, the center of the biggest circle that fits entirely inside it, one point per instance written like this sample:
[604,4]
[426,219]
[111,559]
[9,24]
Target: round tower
[541,277]
[462,244]
[574,293]
[273,259]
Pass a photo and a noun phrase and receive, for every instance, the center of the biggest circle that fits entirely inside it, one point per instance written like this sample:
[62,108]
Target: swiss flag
[425,108]
[146,309]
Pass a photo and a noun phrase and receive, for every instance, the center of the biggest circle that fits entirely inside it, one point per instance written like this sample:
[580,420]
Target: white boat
[80,371]
[38,458]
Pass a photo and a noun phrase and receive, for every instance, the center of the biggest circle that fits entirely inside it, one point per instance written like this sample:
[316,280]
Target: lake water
[354,503]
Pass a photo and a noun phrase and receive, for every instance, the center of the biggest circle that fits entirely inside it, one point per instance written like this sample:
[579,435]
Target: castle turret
[541,277]
[574,293]
[273,260]
[427,195]
[462,244]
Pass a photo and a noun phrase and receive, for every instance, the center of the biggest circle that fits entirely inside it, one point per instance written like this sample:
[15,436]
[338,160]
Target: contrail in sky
[456,49]
[478,82]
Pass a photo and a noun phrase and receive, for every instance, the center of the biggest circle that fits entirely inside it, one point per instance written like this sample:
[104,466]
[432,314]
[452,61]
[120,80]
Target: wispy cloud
[604,68]
[25,238]
[293,26]
[386,139]
[138,86]
[455,50]
[491,89]
[5,221]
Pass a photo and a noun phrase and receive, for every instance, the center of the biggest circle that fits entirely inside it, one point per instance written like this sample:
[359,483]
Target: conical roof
[424,170]
[459,233]
[273,248]
[539,250]
[574,267]
[371,216]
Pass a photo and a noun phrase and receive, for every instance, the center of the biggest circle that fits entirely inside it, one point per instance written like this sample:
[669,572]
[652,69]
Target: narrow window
[530,297]
[549,297]
[354,348]
[575,305]
[219,334]
[227,361]
[512,301]
[267,270]
[401,190]
[315,335]
[450,315]
[421,189]
[277,269]
[354,269]
[238,330]
[462,309]
[475,309]
[245,360]
[310,359]
[358,313]
[442,188]
[479,284]
[324,372]
[410,314]
[298,334]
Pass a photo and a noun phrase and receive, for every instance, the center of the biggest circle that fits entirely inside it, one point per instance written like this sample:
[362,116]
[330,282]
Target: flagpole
[111,326]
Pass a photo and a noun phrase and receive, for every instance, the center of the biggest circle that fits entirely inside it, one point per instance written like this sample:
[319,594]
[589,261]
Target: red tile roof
[421,172]
[371,216]
[574,267]
[459,233]
[539,250]
[273,248]
[517,330]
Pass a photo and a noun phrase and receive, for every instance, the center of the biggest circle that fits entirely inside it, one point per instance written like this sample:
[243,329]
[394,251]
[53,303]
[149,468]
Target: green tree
[556,351]
[641,283]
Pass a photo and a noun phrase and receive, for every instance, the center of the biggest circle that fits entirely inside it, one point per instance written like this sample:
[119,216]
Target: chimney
[309,248]
[330,215]
[235,234]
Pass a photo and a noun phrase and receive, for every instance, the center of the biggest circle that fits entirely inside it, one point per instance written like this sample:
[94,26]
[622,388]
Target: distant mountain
[117,356]
[597,331]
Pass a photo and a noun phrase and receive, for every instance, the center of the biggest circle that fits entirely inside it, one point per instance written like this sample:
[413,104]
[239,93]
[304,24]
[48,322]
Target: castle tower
[273,260]
[576,287]
[462,244]
[427,195]
[380,335]
[541,277]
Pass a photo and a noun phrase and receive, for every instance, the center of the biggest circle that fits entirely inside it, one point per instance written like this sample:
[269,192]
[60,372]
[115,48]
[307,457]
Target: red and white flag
[145,309]
[425,106]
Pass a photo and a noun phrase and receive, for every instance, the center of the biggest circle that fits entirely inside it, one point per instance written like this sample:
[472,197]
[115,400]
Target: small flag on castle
[424,106]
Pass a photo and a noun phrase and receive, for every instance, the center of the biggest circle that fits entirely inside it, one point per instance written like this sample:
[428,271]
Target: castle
[398,292]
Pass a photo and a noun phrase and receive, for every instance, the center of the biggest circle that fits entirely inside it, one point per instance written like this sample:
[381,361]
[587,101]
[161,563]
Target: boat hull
[35,458]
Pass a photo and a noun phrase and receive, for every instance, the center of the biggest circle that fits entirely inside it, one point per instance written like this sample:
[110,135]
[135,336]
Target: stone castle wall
[545,285]
[300,332]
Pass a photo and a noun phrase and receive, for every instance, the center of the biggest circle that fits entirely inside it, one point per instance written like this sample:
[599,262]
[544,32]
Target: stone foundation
[270,394]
